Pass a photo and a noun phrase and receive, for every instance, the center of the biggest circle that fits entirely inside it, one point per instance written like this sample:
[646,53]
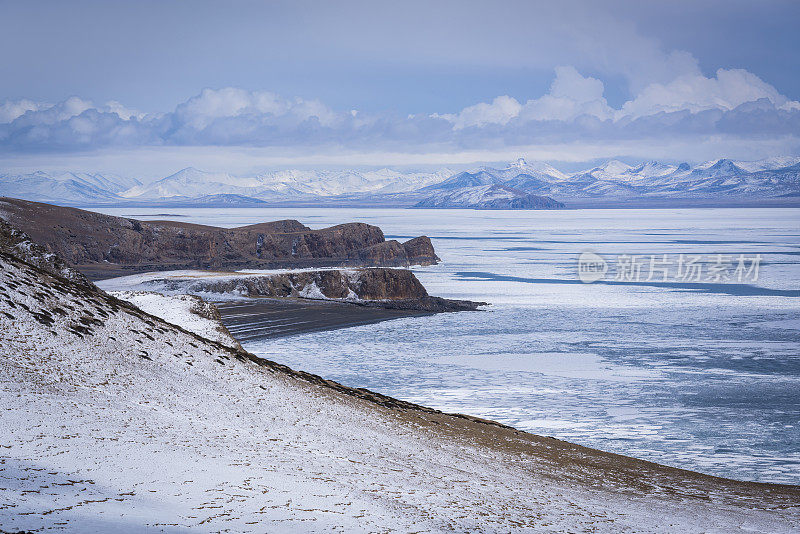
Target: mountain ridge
[613,180]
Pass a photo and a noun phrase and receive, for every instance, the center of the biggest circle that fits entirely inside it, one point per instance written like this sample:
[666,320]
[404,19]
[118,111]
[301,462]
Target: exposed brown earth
[18,243]
[103,246]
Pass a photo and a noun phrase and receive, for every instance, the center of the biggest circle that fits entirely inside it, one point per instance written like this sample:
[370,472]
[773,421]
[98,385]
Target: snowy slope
[488,197]
[610,170]
[464,180]
[191,183]
[768,164]
[285,184]
[539,169]
[189,311]
[65,186]
[121,422]
[514,175]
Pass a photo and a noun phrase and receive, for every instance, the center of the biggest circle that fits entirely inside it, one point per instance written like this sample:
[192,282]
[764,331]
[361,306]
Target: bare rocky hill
[102,246]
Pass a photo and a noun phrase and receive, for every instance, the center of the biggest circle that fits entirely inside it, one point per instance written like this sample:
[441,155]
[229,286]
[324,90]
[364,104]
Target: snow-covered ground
[116,421]
[189,311]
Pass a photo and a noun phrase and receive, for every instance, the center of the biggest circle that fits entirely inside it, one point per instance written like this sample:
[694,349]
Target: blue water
[699,375]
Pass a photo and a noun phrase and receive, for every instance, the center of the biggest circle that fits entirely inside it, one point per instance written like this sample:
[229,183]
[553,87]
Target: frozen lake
[699,374]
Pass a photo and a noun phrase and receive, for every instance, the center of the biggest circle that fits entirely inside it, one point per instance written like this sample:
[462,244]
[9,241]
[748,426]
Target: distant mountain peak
[725,164]
[614,166]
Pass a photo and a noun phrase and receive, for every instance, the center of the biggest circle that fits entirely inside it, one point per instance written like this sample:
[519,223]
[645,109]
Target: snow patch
[187,311]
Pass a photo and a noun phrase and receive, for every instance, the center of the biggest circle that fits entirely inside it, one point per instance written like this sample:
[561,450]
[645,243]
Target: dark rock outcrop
[420,251]
[17,243]
[426,304]
[377,287]
[105,246]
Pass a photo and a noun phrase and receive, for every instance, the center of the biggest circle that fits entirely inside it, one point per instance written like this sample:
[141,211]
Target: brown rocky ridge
[104,246]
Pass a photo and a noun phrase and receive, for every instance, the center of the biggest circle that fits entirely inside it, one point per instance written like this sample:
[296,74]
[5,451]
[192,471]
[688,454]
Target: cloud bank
[733,104]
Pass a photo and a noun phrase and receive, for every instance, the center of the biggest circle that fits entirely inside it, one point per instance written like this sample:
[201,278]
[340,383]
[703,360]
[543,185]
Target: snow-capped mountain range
[721,180]
[284,185]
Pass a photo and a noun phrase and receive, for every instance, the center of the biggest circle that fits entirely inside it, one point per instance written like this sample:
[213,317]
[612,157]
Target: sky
[155,86]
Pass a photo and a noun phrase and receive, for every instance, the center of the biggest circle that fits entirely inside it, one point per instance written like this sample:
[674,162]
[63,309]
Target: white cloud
[12,109]
[695,93]
[501,110]
[112,106]
[70,107]
[42,113]
[62,111]
[734,103]
[202,110]
[570,96]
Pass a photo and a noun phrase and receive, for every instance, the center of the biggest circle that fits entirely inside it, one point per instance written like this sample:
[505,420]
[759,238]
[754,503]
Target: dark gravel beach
[267,318]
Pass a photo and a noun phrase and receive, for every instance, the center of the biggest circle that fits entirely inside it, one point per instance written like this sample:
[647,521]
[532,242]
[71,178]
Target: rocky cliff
[376,287]
[17,243]
[104,246]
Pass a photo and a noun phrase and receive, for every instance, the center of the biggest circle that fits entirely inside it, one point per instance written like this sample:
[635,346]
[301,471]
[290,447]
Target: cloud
[72,124]
[571,95]
[112,106]
[501,110]
[232,115]
[43,113]
[12,109]
[734,104]
[201,111]
[695,93]
[30,112]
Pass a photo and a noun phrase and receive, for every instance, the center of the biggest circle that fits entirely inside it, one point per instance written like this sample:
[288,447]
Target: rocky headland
[103,246]
[374,287]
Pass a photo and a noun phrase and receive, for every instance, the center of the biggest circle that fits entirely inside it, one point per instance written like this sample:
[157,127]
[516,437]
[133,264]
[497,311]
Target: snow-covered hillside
[488,197]
[191,183]
[282,185]
[190,311]
[116,421]
[65,186]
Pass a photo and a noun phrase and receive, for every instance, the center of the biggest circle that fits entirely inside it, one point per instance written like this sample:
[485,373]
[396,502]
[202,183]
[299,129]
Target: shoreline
[266,318]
